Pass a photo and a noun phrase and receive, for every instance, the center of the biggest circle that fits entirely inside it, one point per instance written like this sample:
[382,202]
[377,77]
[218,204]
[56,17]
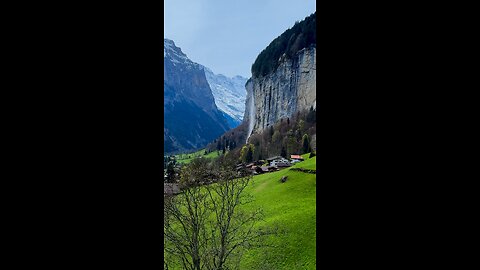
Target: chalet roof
[279,160]
[283,164]
[274,158]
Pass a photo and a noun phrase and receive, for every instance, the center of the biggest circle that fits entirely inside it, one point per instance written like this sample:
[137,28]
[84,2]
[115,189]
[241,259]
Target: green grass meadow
[291,207]
[184,158]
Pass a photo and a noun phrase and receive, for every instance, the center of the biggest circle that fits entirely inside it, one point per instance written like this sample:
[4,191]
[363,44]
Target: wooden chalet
[296,157]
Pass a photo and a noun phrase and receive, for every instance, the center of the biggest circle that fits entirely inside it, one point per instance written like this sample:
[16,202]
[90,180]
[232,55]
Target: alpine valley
[240,188]
[198,104]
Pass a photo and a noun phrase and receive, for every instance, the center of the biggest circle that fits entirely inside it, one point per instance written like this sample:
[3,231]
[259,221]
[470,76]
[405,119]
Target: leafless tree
[185,218]
[235,228]
[205,226]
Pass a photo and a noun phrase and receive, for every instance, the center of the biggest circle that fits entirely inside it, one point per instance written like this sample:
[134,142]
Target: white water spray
[251,112]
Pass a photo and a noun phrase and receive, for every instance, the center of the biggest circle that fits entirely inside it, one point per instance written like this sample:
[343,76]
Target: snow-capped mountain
[229,95]
[175,54]
[191,118]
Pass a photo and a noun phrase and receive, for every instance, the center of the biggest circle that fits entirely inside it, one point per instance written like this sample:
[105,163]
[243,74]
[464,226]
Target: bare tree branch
[206,226]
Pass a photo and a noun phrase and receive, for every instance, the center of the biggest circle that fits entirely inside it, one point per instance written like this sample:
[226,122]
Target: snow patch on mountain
[176,55]
[229,93]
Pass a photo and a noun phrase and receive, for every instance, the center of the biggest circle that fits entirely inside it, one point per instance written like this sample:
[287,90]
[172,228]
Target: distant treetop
[301,35]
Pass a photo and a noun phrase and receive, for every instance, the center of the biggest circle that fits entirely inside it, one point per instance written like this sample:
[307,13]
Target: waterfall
[251,113]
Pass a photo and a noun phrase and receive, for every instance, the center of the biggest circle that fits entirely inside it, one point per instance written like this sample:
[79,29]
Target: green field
[309,164]
[290,206]
[187,158]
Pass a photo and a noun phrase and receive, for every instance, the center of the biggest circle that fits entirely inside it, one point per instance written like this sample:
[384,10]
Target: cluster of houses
[258,167]
[270,164]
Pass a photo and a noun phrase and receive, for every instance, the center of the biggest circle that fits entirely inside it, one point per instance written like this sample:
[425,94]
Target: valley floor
[186,158]
[291,207]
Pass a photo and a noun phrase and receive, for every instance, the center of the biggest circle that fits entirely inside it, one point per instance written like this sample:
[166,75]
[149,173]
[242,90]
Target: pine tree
[311,115]
[283,152]
[219,145]
[249,156]
[171,171]
[243,153]
[301,35]
[306,144]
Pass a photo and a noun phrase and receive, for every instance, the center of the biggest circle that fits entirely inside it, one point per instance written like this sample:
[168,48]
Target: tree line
[292,135]
[289,136]
[301,35]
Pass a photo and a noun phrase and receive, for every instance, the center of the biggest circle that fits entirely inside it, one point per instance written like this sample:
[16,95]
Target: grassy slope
[309,164]
[183,158]
[291,206]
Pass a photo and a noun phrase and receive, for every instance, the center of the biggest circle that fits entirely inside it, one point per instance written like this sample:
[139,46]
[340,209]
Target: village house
[282,164]
[296,157]
[281,160]
[266,169]
[273,158]
[259,162]
[256,170]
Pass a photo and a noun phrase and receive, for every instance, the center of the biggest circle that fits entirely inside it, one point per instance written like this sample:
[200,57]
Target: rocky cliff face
[191,117]
[188,78]
[279,94]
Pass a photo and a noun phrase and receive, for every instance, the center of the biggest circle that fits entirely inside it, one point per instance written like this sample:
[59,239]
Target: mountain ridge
[191,117]
[281,100]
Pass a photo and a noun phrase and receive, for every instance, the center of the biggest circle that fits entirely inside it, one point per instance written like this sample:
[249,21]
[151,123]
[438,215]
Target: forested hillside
[285,138]
[301,35]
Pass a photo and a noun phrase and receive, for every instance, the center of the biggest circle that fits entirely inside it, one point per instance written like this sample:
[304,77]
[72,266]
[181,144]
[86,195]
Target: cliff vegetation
[301,35]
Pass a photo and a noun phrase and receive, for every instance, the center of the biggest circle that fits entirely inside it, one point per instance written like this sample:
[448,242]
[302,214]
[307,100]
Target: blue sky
[227,35]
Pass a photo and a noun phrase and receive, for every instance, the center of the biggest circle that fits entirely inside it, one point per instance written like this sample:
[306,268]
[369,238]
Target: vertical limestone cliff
[279,94]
